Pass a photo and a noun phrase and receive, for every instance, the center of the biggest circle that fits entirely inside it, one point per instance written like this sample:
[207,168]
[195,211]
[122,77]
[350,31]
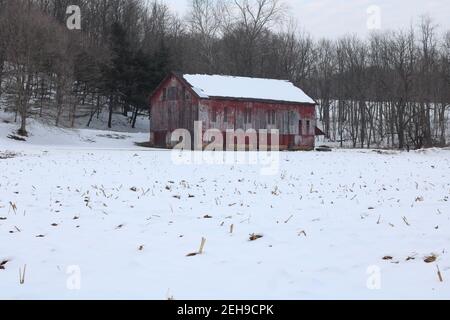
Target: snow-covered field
[91,215]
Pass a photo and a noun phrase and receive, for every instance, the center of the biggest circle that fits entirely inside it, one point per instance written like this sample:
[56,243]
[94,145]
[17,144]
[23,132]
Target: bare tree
[25,30]
[252,19]
[206,18]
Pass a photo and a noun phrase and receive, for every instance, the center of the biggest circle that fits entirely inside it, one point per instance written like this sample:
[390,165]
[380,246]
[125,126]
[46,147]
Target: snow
[119,220]
[250,88]
[42,136]
[200,93]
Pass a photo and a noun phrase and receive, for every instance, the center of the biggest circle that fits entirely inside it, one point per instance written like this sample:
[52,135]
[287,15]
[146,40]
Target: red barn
[232,103]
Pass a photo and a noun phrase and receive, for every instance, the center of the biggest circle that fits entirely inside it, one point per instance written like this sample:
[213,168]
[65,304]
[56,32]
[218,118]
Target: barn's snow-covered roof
[207,86]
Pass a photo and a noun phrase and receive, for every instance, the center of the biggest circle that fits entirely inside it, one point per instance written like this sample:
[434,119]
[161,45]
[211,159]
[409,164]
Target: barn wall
[287,119]
[168,114]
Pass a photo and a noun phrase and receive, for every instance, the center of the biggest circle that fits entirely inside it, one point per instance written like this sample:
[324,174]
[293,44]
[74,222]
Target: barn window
[164,95]
[172,94]
[291,117]
[225,115]
[271,117]
[308,127]
[300,124]
[248,115]
[214,115]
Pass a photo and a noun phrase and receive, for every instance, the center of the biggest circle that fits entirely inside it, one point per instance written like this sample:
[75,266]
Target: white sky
[332,18]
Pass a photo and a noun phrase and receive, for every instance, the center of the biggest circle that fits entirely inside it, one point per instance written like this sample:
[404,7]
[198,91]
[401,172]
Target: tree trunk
[126,109]
[73,113]
[59,98]
[442,125]
[362,110]
[24,93]
[111,109]
[1,73]
[23,124]
[94,111]
[326,117]
[428,140]
[135,115]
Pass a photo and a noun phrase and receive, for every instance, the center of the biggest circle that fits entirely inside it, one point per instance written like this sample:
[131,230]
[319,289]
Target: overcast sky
[332,18]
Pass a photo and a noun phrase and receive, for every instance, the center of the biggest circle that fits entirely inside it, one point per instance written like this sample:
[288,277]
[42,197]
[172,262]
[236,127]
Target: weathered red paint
[228,113]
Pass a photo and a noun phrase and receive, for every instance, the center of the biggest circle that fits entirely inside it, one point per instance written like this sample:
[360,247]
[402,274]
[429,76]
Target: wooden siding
[287,117]
[168,115]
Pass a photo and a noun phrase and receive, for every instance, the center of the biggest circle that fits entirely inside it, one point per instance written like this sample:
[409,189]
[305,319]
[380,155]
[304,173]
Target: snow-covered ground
[91,215]
[43,135]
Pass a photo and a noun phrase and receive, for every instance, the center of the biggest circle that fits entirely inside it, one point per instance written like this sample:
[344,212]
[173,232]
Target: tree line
[391,88]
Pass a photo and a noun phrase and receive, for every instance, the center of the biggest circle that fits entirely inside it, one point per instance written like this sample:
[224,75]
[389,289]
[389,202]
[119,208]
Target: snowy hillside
[91,215]
[43,135]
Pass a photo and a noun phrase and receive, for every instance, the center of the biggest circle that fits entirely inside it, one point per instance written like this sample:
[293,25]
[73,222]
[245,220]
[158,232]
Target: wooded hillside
[390,89]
